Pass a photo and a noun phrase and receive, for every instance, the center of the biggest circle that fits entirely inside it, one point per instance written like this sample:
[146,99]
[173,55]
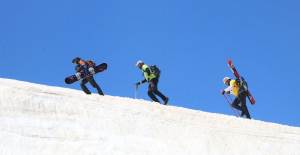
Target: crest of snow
[44,120]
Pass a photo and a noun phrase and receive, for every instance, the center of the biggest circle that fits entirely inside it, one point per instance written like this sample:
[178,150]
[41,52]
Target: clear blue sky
[189,40]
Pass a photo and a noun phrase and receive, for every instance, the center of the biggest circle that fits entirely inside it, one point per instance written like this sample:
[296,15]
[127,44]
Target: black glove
[137,84]
[222,91]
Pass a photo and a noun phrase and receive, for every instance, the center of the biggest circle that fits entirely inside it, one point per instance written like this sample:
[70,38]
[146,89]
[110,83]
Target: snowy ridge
[43,120]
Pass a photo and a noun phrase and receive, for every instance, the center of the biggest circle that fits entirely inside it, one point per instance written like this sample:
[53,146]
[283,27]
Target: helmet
[76,60]
[225,79]
[139,62]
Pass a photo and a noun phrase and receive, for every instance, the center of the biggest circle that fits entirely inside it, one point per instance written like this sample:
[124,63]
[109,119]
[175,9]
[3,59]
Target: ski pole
[229,103]
[230,98]
[135,91]
[226,98]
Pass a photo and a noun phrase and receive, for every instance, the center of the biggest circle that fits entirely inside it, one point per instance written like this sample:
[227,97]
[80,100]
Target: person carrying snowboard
[240,94]
[86,69]
[151,75]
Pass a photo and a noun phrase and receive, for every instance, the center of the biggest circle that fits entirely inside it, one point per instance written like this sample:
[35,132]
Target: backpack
[155,70]
[242,84]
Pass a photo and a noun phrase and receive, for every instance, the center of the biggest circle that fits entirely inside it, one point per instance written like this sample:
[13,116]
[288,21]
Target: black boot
[95,85]
[99,90]
[85,89]
[166,101]
[162,96]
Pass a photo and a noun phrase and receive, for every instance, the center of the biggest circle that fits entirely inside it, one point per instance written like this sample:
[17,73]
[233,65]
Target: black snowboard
[99,68]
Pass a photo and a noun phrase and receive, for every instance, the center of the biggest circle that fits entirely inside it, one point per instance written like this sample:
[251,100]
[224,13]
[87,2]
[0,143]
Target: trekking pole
[226,98]
[135,91]
[231,100]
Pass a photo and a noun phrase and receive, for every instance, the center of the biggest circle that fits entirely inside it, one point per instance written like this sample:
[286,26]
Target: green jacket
[147,73]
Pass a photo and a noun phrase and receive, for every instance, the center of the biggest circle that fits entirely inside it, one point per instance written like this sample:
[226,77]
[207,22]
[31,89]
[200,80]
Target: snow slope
[43,120]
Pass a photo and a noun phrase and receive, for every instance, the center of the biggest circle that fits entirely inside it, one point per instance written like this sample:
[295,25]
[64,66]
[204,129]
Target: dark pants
[153,90]
[240,104]
[93,83]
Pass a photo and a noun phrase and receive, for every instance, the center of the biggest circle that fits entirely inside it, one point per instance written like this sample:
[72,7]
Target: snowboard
[73,78]
[242,81]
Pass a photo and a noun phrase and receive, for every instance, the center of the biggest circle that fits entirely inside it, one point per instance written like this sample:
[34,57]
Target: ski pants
[153,90]
[239,103]
[93,83]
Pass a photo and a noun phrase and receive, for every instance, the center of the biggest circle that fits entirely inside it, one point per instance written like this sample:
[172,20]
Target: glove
[222,91]
[92,71]
[78,75]
[137,84]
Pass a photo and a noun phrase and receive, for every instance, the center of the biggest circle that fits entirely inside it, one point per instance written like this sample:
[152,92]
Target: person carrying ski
[152,78]
[240,94]
[86,69]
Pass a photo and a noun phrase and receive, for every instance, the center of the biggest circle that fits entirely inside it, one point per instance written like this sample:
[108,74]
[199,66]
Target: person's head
[77,60]
[226,81]
[139,64]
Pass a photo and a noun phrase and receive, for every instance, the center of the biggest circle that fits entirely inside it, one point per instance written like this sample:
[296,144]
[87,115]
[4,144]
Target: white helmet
[139,62]
[225,79]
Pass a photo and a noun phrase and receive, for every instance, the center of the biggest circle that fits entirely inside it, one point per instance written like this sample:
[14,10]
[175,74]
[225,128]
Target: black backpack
[242,83]
[155,70]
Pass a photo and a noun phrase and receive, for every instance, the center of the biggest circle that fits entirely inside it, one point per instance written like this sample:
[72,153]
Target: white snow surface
[45,120]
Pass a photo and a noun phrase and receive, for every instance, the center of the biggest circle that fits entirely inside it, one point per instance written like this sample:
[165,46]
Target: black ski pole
[136,91]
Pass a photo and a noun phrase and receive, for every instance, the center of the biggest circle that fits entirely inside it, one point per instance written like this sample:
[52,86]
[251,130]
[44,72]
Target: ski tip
[229,61]
[230,64]
[67,81]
